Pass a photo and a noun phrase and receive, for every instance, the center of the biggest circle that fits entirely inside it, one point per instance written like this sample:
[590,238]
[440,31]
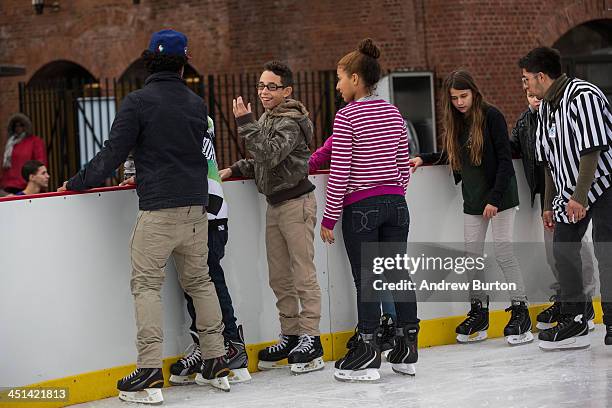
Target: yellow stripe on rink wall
[102,384]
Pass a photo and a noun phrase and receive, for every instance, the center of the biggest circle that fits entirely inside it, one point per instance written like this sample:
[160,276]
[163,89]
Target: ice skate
[571,332]
[272,356]
[183,372]
[143,385]
[307,356]
[404,354]
[474,327]
[547,318]
[237,359]
[361,362]
[518,329]
[215,372]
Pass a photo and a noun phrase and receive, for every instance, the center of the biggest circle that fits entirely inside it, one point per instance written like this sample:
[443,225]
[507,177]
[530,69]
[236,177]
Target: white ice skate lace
[282,342]
[133,374]
[192,355]
[306,342]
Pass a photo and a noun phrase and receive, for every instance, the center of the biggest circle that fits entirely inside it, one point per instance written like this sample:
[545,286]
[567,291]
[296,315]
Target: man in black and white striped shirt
[574,138]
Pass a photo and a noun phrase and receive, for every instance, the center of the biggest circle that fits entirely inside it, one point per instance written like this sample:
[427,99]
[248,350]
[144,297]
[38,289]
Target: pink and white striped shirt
[369,156]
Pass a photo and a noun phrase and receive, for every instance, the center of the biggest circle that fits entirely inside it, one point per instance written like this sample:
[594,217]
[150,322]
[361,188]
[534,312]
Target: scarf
[10,144]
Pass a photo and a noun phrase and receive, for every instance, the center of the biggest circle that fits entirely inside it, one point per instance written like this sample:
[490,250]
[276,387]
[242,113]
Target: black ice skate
[571,332]
[215,372]
[590,315]
[608,338]
[307,355]
[385,335]
[518,329]
[271,357]
[143,386]
[183,372]
[474,327]
[361,362]
[405,353]
[549,316]
[237,359]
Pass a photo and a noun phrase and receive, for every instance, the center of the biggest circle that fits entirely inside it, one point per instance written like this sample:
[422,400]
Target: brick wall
[106,36]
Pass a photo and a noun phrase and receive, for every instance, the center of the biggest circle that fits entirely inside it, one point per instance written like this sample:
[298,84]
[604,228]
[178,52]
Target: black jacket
[522,141]
[496,158]
[164,123]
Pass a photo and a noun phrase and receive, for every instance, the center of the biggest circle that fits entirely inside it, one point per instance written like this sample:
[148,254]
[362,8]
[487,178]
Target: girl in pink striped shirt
[367,185]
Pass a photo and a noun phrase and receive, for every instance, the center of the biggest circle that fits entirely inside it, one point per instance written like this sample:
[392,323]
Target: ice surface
[487,374]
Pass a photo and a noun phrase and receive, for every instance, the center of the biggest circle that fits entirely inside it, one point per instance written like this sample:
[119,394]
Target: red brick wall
[106,36]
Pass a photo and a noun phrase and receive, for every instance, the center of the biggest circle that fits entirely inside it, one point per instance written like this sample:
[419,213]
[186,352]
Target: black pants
[373,227]
[566,248]
[217,239]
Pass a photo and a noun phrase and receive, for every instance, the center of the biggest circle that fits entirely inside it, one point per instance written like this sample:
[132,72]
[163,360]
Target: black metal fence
[74,116]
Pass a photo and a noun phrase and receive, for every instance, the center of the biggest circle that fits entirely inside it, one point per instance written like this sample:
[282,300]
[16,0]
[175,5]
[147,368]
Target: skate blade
[182,379]
[516,340]
[272,365]
[239,375]
[302,368]
[151,396]
[367,375]
[405,369]
[545,326]
[221,383]
[472,338]
[591,325]
[572,343]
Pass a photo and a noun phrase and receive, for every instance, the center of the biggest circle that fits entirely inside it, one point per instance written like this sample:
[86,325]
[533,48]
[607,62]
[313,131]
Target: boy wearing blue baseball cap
[164,124]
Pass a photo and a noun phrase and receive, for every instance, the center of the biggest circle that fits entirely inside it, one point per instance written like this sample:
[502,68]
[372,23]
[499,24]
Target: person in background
[37,177]
[22,145]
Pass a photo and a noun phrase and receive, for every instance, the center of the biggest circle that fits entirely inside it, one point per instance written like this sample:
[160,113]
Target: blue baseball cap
[169,42]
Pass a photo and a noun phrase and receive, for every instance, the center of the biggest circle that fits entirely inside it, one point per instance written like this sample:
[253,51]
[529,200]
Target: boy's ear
[355,79]
[287,91]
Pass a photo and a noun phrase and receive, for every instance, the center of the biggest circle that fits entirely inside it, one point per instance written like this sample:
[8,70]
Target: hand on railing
[225,173]
[63,188]
[128,182]
[415,164]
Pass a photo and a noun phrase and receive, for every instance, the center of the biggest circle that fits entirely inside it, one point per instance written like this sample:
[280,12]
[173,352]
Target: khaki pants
[183,233]
[292,273]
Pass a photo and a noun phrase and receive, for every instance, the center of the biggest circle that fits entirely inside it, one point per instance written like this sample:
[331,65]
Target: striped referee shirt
[582,123]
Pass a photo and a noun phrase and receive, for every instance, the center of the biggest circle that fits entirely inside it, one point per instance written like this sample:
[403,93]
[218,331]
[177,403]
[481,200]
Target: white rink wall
[65,302]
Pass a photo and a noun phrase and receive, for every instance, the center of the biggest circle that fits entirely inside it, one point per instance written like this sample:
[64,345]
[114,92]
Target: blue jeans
[217,239]
[382,222]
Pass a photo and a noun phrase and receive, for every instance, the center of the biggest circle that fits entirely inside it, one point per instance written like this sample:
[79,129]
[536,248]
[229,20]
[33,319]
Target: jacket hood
[297,111]
[19,117]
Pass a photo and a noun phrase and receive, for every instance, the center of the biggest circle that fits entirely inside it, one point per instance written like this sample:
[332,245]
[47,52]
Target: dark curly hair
[156,62]
[282,70]
[542,59]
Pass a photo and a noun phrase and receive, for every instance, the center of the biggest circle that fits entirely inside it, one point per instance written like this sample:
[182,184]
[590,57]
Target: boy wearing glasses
[278,144]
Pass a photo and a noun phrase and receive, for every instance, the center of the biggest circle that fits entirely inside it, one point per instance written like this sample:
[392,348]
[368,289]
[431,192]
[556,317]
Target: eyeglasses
[271,86]
[526,79]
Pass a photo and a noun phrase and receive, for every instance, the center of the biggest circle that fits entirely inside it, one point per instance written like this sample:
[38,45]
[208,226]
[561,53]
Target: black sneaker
[549,316]
[571,332]
[405,353]
[474,327]
[270,357]
[518,329]
[608,338]
[307,355]
[184,370]
[215,372]
[385,335]
[361,362]
[150,380]
[237,358]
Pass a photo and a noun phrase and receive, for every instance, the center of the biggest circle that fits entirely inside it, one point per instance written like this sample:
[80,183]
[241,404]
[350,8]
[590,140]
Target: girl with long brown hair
[477,149]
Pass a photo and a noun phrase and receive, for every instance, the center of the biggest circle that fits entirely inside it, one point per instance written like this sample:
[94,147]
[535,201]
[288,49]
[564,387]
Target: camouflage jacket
[278,143]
